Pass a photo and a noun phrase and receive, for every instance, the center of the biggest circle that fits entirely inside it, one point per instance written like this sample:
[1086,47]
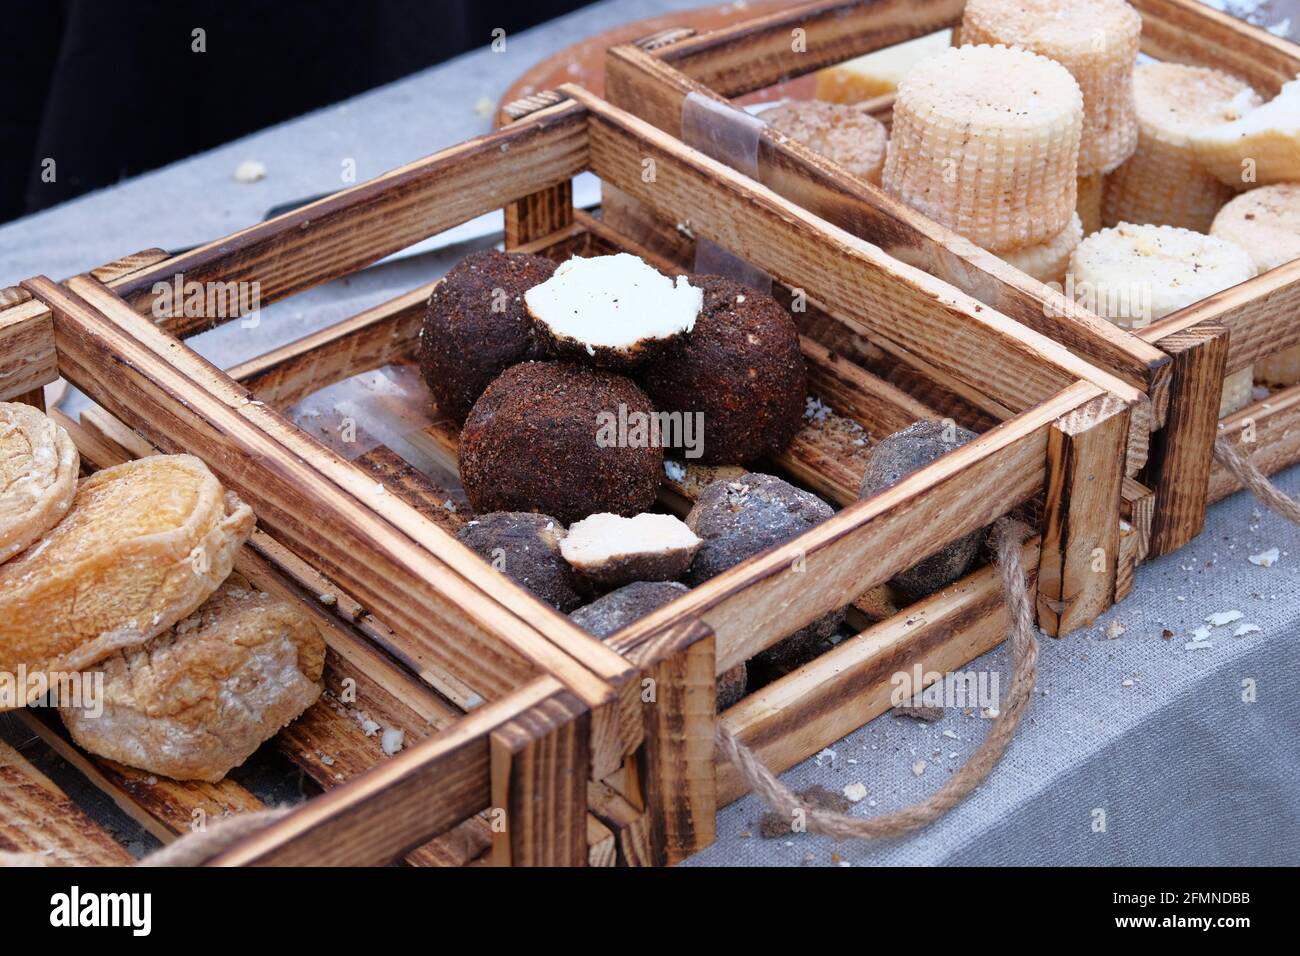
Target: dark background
[111,88]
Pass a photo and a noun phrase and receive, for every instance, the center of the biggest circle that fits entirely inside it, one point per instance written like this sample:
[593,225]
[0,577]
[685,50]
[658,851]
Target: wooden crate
[558,732]
[1179,361]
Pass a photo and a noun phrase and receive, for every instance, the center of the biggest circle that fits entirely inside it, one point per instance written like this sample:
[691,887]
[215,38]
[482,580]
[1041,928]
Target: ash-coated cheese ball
[476,326]
[736,520]
[893,459]
[617,609]
[740,368]
[526,547]
[560,439]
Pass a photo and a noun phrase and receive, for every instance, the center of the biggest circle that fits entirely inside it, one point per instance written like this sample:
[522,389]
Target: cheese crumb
[1265,559]
[855,792]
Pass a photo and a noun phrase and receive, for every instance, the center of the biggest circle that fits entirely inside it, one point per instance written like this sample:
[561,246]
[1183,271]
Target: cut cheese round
[1096,40]
[1163,182]
[1260,148]
[844,134]
[985,140]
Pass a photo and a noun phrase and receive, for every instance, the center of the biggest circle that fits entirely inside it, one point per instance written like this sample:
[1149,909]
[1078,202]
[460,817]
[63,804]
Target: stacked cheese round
[985,140]
[1164,182]
[1096,40]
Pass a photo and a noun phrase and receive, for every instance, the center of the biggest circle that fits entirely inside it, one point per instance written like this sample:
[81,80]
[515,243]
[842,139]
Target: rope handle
[1248,473]
[1010,536]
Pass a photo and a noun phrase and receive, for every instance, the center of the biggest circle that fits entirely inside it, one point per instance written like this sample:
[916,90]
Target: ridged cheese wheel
[1096,40]
[1048,261]
[1088,205]
[1266,223]
[1135,274]
[1163,182]
[985,140]
[1260,148]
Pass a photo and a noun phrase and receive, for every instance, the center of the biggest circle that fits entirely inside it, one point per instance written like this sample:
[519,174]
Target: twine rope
[199,846]
[1248,473]
[1009,536]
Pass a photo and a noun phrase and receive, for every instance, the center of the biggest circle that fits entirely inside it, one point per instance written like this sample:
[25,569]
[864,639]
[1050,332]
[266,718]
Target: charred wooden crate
[1180,361]
[586,751]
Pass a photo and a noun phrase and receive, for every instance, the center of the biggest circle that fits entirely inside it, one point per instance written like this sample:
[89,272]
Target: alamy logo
[75,908]
[635,429]
[207,300]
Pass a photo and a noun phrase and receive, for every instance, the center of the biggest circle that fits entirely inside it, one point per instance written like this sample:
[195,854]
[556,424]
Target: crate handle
[1010,536]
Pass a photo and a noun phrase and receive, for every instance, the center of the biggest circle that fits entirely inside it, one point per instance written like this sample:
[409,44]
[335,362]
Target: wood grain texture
[1128,561]
[1273,427]
[399,804]
[129,265]
[1258,314]
[809,709]
[353,228]
[1182,453]
[680,784]
[1138,506]
[541,763]
[1080,546]
[37,817]
[28,359]
[368,340]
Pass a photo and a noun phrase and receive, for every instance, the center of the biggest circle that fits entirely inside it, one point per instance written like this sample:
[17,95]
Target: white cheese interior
[603,538]
[613,302]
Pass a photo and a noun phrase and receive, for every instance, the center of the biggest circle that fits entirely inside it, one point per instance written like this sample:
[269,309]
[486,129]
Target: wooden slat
[38,817]
[1182,453]
[541,762]
[351,229]
[398,805]
[680,784]
[27,353]
[833,695]
[1258,315]
[368,340]
[1080,548]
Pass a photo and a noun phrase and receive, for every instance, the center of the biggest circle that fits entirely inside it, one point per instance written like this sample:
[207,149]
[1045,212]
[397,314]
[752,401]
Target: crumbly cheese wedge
[1266,223]
[1096,40]
[1088,205]
[38,476]
[1260,148]
[985,139]
[877,73]
[1163,182]
[1048,260]
[1134,274]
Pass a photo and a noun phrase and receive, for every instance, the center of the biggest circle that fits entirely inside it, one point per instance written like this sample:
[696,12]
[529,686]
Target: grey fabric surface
[1185,772]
